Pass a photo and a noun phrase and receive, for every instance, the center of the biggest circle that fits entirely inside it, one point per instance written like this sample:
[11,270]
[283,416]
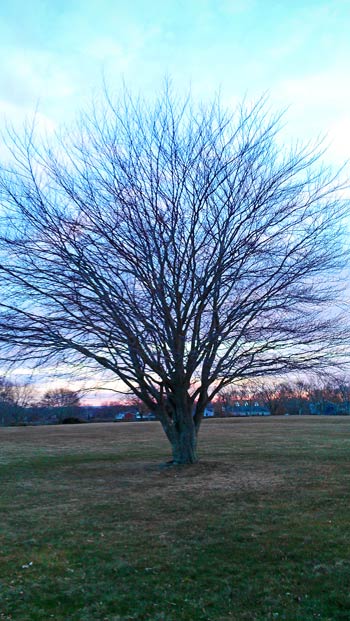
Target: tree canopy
[177,246]
[61,398]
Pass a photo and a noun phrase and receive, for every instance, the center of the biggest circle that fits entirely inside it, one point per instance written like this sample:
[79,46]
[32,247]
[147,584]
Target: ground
[92,529]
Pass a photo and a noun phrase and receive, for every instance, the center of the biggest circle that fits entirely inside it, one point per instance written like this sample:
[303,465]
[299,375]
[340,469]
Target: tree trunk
[182,435]
[184,445]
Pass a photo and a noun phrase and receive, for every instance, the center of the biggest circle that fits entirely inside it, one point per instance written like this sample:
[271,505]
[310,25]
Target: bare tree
[8,407]
[61,398]
[286,398]
[176,246]
[14,399]
[142,408]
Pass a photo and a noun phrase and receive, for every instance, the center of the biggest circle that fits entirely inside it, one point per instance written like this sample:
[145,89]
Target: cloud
[339,137]
[318,106]
[35,80]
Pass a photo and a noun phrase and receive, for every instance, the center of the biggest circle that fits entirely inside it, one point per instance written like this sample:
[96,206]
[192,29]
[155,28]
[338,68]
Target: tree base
[172,463]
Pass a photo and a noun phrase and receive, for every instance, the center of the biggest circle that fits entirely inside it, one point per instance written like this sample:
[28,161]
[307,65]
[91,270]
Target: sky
[56,53]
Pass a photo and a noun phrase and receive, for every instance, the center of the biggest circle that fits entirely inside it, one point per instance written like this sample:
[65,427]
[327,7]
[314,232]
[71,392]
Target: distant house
[149,416]
[247,408]
[209,411]
[127,416]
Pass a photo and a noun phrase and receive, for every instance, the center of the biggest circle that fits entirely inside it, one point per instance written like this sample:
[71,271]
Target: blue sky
[55,51]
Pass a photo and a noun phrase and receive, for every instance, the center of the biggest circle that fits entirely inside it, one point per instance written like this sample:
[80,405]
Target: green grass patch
[91,529]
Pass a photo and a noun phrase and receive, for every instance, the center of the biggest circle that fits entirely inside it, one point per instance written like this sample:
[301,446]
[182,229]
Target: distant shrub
[71,420]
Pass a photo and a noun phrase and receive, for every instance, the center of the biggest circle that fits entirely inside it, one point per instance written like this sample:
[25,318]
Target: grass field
[91,529]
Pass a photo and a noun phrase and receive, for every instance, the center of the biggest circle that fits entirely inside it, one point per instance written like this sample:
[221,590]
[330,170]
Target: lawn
[92,529]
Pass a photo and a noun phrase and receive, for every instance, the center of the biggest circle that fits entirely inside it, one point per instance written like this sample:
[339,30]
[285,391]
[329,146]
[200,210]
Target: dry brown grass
[114,535]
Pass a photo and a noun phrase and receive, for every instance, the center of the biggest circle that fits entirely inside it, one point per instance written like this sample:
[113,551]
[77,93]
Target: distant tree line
[20,404]
[293,398]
